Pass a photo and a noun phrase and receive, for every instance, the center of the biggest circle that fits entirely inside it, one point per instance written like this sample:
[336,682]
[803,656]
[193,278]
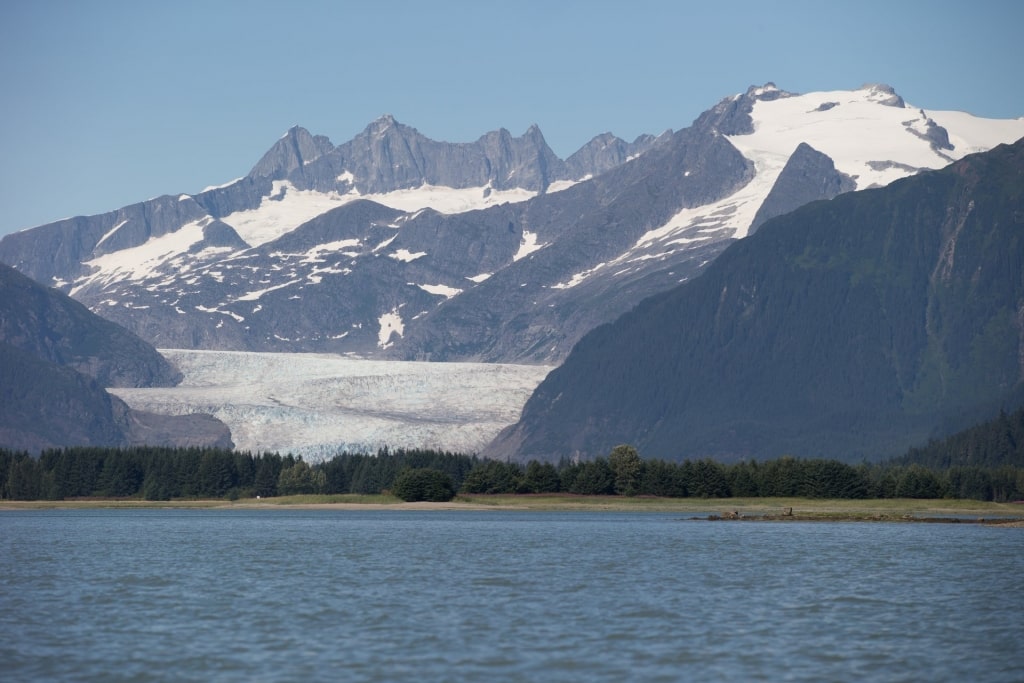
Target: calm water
[289,595]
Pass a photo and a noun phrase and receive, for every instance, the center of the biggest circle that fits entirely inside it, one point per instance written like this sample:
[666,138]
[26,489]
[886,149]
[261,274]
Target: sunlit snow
[440,290]
[254,295]
[528,245]
[316,405]
[219,187]
[390,324]
[406,255]
[136,263]
[857,130]
[111,232]
[284,210]
[315,255]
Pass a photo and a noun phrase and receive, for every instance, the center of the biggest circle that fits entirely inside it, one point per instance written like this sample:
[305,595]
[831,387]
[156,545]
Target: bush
[423,483]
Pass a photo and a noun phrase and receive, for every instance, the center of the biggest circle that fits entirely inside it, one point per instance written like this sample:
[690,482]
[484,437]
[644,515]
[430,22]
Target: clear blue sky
[106,103]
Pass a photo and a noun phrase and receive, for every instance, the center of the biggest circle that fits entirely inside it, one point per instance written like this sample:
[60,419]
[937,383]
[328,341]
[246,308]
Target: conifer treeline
[166,473]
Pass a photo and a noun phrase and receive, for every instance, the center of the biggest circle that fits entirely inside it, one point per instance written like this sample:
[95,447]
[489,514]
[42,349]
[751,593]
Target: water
[302,595]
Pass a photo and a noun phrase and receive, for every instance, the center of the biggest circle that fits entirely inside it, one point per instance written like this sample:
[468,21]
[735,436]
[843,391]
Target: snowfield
[317,405]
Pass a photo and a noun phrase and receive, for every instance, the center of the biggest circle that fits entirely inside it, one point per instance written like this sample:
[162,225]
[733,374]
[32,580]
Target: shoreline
[704,509]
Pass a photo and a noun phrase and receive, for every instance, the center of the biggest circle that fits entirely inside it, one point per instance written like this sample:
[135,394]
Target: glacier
[317,405]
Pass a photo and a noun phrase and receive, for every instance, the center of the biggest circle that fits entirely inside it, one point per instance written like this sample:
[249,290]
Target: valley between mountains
[318,405]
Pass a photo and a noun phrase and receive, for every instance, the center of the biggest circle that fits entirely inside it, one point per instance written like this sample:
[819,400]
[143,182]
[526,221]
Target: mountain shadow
[56,357]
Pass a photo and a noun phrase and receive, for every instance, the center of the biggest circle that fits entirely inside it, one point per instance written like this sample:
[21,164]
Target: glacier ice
[317,405]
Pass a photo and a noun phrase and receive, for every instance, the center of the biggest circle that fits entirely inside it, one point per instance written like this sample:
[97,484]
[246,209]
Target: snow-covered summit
[871,134]
[331,248]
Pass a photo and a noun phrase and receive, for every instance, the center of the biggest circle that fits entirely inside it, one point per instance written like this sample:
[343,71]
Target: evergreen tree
[540,478]
[426,484]
[296,479]
[626,467]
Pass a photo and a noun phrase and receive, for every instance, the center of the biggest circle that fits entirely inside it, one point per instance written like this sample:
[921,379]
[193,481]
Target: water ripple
[389,596]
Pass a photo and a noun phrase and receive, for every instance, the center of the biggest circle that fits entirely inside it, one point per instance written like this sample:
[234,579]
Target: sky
[105,103]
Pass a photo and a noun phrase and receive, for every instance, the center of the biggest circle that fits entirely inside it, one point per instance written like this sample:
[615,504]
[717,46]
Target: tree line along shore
[163,474]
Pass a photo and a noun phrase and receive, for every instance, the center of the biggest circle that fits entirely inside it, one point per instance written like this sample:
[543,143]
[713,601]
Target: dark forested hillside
[852,328]
[996,443]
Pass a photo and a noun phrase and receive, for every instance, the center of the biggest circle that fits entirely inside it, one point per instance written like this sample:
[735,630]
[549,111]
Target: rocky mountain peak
[293,150]
[766,93]
[884,94]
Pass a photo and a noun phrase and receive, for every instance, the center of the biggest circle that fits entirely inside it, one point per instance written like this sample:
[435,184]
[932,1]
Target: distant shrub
[424,483]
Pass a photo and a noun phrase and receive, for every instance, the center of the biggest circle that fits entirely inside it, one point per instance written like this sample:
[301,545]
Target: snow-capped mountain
[397,245]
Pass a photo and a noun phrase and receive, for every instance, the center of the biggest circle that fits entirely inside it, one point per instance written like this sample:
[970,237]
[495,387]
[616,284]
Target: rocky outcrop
[606,151]
[808,176]
[294,150]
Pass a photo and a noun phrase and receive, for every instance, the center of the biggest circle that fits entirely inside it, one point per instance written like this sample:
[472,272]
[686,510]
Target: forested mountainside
[994,443]
[852,328]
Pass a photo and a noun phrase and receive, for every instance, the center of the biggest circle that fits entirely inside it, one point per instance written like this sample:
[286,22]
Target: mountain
[55,360]
[59,330]
[852,328]
[392,245]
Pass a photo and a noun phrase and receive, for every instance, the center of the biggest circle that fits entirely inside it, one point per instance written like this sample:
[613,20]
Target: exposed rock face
[177,431]
[604,152]
[46,405]
[731,116]
[533,310]
[808,176]
[297,148]
[520,254]
[389,156]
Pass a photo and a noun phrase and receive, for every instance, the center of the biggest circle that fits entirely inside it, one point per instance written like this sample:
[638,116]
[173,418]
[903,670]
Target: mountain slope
[47,405]
[849,328]
[55,360]
[62,331]
[397,246]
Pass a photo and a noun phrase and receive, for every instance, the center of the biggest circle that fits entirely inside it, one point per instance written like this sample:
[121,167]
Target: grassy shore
[900,509]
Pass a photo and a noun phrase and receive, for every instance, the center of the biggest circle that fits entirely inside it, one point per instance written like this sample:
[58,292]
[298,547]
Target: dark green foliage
[540,478]
[706,479]
[990,444]
[298,478]
[268,469]
[167,473]
[627,470]
[423,483]
[831,479]
[917,482]
[23,477]
[493,476]
[594,478]
[217,474]
[661,478]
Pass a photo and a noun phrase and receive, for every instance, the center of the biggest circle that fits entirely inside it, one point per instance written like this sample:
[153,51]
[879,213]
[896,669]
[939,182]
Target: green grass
[804,508]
